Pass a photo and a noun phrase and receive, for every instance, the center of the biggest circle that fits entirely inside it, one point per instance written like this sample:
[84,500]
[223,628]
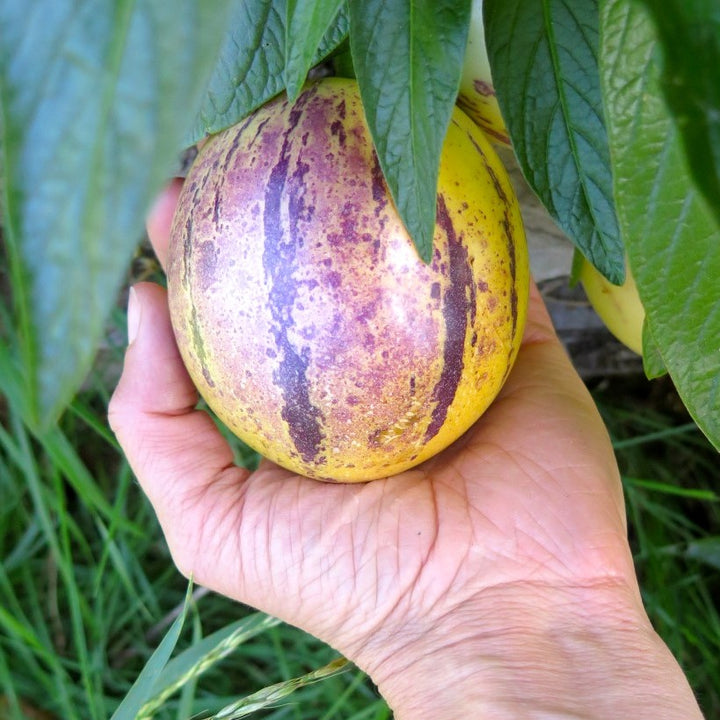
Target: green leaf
[408,60]
[653,363]
[251,66]
[671,234]
[578,259]
[689,31]
[143,689]
[544,63]
[94,99]
[307,22]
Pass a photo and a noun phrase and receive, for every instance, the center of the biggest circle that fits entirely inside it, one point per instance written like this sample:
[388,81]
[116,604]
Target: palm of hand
[529,497]
[523,498]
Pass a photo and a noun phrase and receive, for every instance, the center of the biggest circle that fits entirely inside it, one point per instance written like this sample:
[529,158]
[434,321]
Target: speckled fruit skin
[477,92]
[301,308]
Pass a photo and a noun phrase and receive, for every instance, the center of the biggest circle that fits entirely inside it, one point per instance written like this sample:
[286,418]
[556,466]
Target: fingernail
[133,315]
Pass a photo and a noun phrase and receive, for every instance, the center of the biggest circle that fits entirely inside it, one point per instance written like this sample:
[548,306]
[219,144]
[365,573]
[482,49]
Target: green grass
[88,591]
[671,477]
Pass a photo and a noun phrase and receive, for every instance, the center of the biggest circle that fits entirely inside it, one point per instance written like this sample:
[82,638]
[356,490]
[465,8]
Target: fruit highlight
[302,310]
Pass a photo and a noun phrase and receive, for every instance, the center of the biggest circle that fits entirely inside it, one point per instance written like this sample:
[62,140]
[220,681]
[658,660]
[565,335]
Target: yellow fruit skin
[618,306]
[477,92]
[304,314]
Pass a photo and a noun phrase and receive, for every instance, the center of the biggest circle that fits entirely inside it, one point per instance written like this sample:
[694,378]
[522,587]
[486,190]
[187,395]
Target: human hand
[478,581]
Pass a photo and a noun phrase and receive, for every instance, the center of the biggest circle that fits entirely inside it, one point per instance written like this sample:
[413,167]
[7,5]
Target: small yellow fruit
[618,306]
[477,92]
[303,312]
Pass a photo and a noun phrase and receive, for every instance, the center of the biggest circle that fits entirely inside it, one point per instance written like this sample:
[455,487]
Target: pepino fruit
[477,92]
[618,306]
[302,310]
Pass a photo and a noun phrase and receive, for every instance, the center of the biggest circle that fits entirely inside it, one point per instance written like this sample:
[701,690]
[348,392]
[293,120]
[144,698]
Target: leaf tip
[293,87]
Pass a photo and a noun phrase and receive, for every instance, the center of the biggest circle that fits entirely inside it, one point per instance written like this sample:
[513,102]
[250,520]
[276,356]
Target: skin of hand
[495,580]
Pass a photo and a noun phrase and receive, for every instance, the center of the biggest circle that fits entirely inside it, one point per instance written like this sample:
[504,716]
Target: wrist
[573,653]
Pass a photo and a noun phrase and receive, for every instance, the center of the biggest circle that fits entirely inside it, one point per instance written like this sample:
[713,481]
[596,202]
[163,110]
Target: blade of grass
[58,534]
[12,626]
[202,656]
[122,572]
[143,688]
[122,484]
[81,410]
[19,627]
[66,458]
[187,694]
[11,710]
[664,434]
[377,711]
[74,549]
[24,457]
[339,704]
[282,662]
[661,487]
[23,547]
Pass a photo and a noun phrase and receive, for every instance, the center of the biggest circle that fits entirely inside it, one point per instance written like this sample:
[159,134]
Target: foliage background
[617,131]
[614,111]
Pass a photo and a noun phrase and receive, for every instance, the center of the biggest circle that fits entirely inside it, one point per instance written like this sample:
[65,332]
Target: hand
[495,577]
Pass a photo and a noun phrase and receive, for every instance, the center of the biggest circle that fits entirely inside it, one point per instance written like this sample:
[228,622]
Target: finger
[545,394]
[176,451]
[541,351]
[159,220]
[543,376]
[543,369]
[539,326]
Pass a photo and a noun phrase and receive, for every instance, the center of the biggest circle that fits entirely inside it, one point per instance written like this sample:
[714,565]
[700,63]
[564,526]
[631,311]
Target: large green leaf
[543,55]
[307,23]
[408,60]
[690,35]
[251,66]
[671,234]
[95,98]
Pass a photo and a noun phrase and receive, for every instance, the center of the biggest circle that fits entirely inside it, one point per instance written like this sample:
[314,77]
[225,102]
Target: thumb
[177,453]
[154,377]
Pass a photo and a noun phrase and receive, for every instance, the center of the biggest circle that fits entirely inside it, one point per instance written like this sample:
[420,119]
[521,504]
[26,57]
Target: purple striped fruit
[302,310]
